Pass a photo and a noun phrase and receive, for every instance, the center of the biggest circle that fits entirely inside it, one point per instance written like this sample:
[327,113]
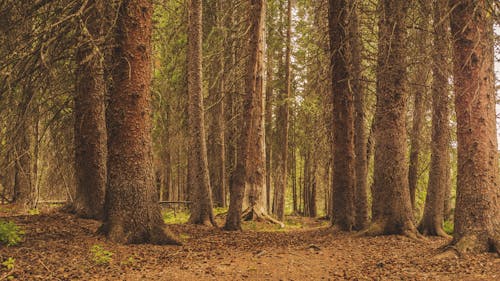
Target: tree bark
[477,212]
[199,180]
[89,113]
[132,214]
[360,138]
[248,181]
[282,127]
[392,212]
[344,180]
[433,218]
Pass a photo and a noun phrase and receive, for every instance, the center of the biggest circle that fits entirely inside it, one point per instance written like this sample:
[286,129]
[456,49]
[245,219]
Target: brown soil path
[57,247]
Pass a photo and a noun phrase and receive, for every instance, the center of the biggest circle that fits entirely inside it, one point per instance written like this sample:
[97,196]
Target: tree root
[436,231]
[157,235]
[379,229]
[470,244]
[250,214]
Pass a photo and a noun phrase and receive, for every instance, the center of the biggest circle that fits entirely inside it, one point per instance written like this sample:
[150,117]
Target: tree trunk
[249,178]
[420,81]
[269,126]
[360,139]
[282,128]
[24,192]
[344,181]
[392,212]
[89,113]
[199,180]
[132,212]
[477,212]
[432,221]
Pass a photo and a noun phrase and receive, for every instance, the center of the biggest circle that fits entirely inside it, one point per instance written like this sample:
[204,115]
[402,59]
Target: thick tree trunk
[392,212]
[432,221]
[89,113]
[282,128]
[477,212]
[248,181]
[344,180]
[360,139]
[199,180]
[132,213]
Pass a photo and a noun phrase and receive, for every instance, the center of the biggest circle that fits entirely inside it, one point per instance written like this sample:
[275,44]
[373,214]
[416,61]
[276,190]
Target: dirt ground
[58,246]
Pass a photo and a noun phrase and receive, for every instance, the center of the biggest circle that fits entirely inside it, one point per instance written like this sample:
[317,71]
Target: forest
[249,140]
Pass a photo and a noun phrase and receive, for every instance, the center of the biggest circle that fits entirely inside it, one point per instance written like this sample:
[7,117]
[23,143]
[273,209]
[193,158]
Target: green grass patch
[449,227]
[175,217]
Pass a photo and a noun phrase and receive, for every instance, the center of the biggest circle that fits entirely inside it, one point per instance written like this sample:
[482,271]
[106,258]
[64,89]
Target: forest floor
[58,246]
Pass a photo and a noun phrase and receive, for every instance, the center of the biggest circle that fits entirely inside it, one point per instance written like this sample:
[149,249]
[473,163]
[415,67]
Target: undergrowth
[100,256]
[10,233]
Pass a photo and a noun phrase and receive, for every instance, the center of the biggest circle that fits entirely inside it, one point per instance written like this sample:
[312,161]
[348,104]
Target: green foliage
[100,256]
[10,233]
[219,211]
[131,261]
[9,263]
[448,227]
[175,217]
[33,212]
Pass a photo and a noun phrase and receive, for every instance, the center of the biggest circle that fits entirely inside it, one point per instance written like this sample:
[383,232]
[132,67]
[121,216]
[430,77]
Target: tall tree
[360,138]
[89,112]
[432,221]
[217,137]
[344,181]
[282,125]
[132,213]
[24,193]
[391,209]
[198,174]
[248,180]
[477,211]
[419,77]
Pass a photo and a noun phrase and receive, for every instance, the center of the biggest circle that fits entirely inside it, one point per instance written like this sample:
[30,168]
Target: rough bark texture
[432,221]
[132,212]
[89,113]
[248,181]
[477,212]
[199,181]
[360,138]
[392,212]
[344,180]
[282,128]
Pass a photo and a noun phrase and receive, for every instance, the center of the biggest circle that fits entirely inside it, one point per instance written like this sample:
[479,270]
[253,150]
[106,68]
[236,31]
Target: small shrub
[9,264]
[10,233]
[100,256]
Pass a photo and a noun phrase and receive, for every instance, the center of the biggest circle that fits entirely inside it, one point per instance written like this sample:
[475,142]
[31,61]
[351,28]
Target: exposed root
[378,229]
[474,244]
[437,231]
[251,214]
[157,235]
